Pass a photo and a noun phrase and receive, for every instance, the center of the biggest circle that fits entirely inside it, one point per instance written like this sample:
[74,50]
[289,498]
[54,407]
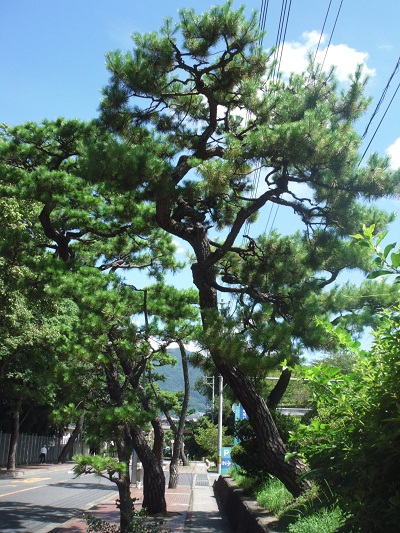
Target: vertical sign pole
[221,388]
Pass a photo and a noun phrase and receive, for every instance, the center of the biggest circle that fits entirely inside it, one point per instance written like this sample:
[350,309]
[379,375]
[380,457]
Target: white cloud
[346,59]
[190,346]
[181,247]
[394,152]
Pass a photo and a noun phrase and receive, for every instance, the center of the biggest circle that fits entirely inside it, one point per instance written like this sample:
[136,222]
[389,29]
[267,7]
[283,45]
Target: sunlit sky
[52,59]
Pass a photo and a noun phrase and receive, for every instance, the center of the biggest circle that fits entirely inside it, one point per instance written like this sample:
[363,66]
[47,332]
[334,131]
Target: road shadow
[23,516]
[30,517]
[85,486]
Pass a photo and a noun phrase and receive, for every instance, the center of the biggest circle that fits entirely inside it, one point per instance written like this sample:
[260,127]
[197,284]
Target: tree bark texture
[185,461]
[133,437]
[67,449]
[12,451]
[178,441]
[125,503]
[153,479]
[159,438]
[270,443]
[279,390]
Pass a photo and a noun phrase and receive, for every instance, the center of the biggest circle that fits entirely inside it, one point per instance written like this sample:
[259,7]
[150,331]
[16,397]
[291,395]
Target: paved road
[43,499]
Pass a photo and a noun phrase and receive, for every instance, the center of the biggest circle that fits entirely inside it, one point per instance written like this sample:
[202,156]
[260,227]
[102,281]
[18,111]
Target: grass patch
[326,520]
[274,496]
[250,485]
[310,513]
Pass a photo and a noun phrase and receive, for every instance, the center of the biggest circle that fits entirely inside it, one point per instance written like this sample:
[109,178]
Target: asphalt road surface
[44,499]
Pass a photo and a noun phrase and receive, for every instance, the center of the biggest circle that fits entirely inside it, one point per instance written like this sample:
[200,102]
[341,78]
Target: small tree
[206,436]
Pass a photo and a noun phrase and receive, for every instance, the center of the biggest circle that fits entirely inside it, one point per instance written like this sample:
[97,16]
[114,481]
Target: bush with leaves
[206,436]
[354,440]
[246,453]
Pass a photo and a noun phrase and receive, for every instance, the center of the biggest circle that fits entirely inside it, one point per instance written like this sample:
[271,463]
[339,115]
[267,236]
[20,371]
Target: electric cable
[322,31]
[381,99]
[333,31]
[261,24]
[262,19]
[284,36]
[380,122]
[280,39]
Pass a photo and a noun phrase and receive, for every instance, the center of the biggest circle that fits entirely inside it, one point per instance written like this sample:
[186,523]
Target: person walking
[42,455]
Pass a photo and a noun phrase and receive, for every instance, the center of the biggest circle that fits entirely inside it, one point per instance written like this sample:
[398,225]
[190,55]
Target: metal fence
[29,446]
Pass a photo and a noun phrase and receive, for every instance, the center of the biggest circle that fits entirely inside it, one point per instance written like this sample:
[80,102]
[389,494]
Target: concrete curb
[244,514]
[28,469]
[4,474]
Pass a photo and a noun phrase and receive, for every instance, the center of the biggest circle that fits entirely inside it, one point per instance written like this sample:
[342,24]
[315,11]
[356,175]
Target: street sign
[226,461]
[240,413]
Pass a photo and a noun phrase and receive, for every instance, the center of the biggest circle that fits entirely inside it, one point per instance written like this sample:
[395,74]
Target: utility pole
[220,392]
[220,406]
[206,380]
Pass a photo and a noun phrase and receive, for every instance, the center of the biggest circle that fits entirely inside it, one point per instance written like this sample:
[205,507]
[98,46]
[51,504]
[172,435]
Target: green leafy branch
[387,261]
[106,467]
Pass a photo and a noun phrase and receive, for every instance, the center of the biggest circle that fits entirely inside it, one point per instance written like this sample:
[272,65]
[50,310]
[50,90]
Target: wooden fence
[29,446]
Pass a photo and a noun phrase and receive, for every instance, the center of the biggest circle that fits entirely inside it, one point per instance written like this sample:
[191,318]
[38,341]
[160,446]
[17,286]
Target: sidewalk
[191,507]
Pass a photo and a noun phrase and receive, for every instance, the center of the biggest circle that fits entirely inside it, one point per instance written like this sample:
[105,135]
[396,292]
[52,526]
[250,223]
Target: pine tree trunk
[204,274]
[174,464]
[153,479]
[159,438]
[279,390]
[173,472]
[271,445]
[132,437]
[178,442]
[125,503]
[66,451]
[153,488]
[185,461]
[12,451]
[272,448]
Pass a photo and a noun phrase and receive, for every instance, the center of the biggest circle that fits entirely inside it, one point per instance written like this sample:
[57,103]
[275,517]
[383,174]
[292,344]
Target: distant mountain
[174,381]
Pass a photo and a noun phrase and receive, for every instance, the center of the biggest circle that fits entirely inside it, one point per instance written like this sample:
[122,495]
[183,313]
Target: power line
[322,65]
[273,220]
[263,19]
[380,122]
[322,31]
[383,95]
[278,41]
[284,35]
[280,38]
[261,25]
[333,31]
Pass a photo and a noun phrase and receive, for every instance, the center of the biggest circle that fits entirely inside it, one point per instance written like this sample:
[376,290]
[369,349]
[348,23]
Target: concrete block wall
[243,513]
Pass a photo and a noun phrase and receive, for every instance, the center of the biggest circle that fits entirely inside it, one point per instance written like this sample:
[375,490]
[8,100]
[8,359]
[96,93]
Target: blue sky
[53,53]
[52,61]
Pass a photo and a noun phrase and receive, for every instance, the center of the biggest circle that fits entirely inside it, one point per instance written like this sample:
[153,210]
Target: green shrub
[274,496]
[354,441]
[247,455]
[323,521]
[309,513]
[251,485]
